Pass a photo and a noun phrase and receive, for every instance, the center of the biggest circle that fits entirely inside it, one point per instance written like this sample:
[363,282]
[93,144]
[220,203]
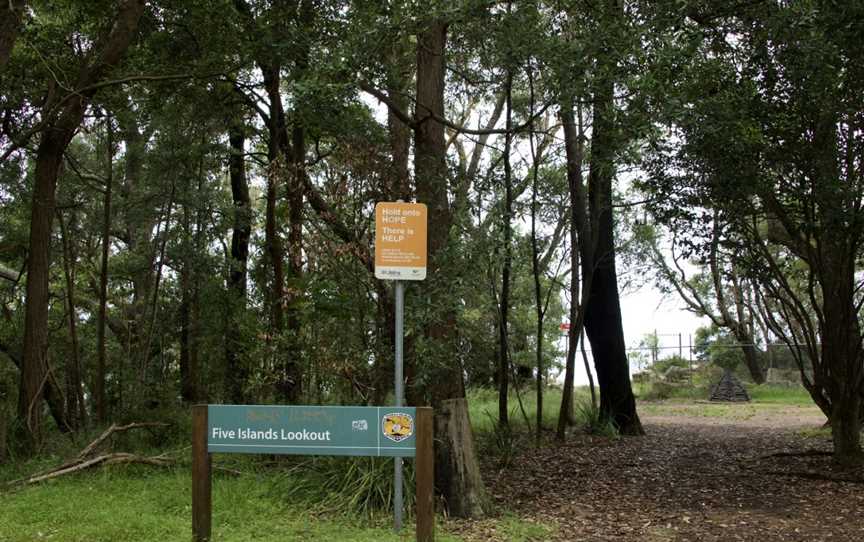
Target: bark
[102,353]
[841,350]
[75,417]
[34,364]
[188,294]
[11,22]
[56,135]
[504,308]
[4,422]
[272,240]
[603,308]
[53,393]
[456,462]
[293,371]
[236,371]
[457,472]
[581,257]
[398,81]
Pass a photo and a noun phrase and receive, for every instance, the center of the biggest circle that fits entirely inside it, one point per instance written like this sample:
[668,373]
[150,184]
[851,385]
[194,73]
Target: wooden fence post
[202,505]
[424,472]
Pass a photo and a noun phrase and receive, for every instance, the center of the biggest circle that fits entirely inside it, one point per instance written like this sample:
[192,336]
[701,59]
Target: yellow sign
[397,426]
[400,241]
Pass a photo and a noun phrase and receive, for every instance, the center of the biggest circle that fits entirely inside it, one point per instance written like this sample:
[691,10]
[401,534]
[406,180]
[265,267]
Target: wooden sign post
[311,430]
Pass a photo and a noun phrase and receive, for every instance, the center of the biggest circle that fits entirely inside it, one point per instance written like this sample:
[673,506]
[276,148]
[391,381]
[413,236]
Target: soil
[765,475]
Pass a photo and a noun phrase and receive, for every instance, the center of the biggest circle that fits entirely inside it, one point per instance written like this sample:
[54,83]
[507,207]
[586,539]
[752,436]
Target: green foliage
[588,417]
[351,486]
[719,347]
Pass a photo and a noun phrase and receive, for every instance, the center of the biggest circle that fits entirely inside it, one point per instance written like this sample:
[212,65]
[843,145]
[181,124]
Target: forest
[188,191]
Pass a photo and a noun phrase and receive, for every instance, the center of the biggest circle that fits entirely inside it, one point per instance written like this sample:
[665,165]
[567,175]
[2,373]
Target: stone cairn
[729,389]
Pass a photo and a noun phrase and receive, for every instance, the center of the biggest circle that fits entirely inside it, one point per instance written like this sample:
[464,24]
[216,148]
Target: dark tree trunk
[457,472]
[188,288]
[34,363]
[398,81]
[11,20]
[504,308]
[236,371]
[53,394]
[56,136]
[4,422]
[581,257]
[272,240]
[603,309]
[842,352]
[74,398]
[99,398]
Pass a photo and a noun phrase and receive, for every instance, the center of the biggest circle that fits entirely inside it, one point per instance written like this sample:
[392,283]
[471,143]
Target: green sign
[311,430]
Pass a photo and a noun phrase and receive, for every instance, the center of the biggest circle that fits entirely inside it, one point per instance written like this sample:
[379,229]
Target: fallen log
[106,459]
[86,459]
[114,428]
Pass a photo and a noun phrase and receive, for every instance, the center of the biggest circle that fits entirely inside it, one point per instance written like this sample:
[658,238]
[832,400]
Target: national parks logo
[397,426]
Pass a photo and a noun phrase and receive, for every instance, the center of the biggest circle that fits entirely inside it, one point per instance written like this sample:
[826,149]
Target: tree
[714,291]
[61,116]
[765,141]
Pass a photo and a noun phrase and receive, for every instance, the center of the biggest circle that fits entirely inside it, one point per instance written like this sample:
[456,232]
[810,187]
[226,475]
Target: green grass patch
[786,395]
[516,529]
[138,504]
[483,407]
[730,411]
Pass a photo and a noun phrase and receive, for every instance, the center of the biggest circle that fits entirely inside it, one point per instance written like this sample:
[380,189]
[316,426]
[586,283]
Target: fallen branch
[84,459]
[107,459]
[114,428]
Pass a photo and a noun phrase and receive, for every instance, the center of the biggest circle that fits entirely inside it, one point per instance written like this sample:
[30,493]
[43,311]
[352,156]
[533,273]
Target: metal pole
[397,463]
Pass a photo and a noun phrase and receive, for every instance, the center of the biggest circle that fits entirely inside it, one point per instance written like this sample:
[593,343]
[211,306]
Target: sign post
[310,430]
[400,254]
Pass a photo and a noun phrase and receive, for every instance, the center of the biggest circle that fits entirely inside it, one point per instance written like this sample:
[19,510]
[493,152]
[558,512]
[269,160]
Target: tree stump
[457,471]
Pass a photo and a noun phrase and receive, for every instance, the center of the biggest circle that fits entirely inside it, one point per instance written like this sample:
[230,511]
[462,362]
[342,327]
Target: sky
[642,313]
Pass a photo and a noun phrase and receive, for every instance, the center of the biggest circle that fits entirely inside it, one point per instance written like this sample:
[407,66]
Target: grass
[483,408]
[785,395]
[732,411]
[134,503]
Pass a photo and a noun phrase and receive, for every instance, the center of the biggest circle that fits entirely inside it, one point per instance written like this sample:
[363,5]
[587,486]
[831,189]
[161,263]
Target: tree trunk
[272,239]
[74,397]
[188,391]
[581,257]
[11,20]
[841,352]
[457,473]
[504,309]
[4,422]
[539,309]
[34,363]
[236,371]
[603,311]
[101,360]
[455,463]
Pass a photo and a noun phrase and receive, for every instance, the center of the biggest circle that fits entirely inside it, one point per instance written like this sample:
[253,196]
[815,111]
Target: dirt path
[693,477]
